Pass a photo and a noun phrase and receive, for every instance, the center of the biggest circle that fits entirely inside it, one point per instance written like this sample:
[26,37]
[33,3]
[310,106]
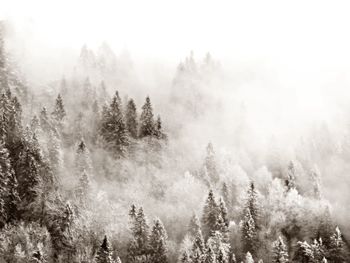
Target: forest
[94,170]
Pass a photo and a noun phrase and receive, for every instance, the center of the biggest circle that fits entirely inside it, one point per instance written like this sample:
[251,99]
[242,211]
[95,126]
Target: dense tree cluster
[70,169]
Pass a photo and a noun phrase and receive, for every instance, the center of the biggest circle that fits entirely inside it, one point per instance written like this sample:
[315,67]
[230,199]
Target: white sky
[316,31]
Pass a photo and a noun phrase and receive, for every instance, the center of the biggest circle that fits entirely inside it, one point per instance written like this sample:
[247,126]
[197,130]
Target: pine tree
[336,249]
[210,164]
[45,122]
[198,252]
[252,204]
[139,244]
[280,252]
[249,233]
[59,112]
[131,118]
[55,152]
[104,254]
[290,181]
[12,200]
[220,247]
[82,159]
[223,227]
[146,120]
[158,129]
[325,228]
[226,195]
[113,129]
[304,253]
[194,227]
[5,175]
[158,243]
[210,215]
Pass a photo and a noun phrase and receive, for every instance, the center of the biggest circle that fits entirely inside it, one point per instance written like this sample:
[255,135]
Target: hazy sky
[316,31]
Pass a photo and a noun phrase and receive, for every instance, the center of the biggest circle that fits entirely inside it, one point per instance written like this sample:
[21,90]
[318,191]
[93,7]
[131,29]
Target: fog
[276,88]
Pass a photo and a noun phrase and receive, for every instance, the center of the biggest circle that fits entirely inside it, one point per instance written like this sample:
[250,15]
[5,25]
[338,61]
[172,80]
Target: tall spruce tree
[104,254]
[113,129]
[210,216]
[59,112]
[210,164]
[249,233]
[336,248]
[158,247]
[131,118]
[146,120]
[194,227]
[198,251]
[45,122]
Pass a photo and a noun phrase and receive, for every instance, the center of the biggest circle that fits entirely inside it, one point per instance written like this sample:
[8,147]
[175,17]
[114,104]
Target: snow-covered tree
[131,118]
[279,251]
[146,120]
[158,247]
[210,215]
[104,254]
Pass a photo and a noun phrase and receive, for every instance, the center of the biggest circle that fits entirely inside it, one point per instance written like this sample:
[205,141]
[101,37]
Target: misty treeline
[89,175]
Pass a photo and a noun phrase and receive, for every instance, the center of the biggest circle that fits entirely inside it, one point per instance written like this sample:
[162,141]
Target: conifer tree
[290,181]
[280,252]
[35,124]
[5,175]
[82,159]
[12,200]
[210,164]
[131,118]
[158,129]
[223,227]
[210,215]
[226,194]
[45,122]
[59,112]
[113,129]
[104,254]
[325,228]
[194,227]
[139,245]
[55,152]
[198,252]
[336,249]
[83,188]
[146,120]
[252,204]
[158,243]
[304,253]
[249,233]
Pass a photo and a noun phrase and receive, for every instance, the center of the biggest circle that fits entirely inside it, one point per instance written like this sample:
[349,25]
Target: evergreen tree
[325,228]
[158,243]
[249,233]
[226,195]
[336,249]
[104,254]
[83,187]
[55,152]
[131,118]
[304,253]
[220,247]
[210,164]
[146,120]
[82,159]
[139,245]
[290,181]
[113,129]
[5,175]
[194,227]
[279,251]
[252,204]
[45,122]
[59,112]
[224,224]
[12,200]
[210,215]
[198,252]
[158,130]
